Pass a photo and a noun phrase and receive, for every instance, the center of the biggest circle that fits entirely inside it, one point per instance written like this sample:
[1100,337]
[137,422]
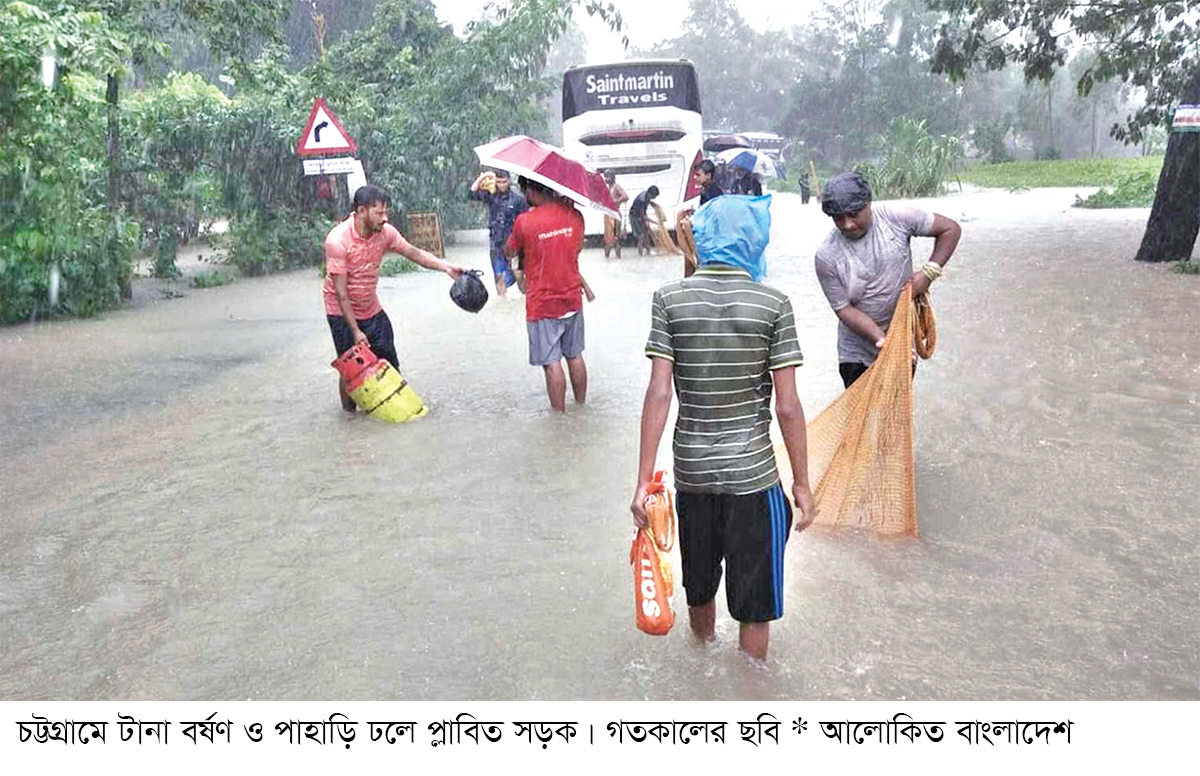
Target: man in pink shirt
[353,255]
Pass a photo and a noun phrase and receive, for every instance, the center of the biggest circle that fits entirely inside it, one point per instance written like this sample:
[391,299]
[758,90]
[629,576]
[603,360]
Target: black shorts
[749,533]
[852,370]
[378,329]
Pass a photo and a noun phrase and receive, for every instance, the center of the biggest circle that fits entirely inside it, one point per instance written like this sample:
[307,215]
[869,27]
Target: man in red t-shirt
[353,255]
[547,239]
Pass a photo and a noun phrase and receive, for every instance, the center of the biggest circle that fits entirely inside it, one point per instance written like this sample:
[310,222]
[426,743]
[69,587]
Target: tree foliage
[1152,44]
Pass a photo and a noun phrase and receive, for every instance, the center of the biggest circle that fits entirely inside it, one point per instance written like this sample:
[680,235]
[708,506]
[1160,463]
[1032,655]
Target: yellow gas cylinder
[385,394]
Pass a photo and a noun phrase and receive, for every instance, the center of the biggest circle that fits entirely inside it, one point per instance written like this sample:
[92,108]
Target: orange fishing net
[687,243]
[860,448]
[658,230]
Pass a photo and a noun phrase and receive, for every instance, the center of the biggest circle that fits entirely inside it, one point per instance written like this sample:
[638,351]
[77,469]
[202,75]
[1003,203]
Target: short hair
[368,195]
[652,192]
[501,174]
[529,183]
[707,167]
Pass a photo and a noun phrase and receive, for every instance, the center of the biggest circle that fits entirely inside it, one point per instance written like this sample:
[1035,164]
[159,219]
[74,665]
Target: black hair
[369,195]
[501,174]
[652,192]
[707,167]
[528,183]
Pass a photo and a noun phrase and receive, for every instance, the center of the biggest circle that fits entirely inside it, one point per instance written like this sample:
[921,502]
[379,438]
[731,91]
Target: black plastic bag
[468,292]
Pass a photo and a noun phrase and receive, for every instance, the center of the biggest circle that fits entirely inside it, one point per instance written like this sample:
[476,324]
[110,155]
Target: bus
[639,119]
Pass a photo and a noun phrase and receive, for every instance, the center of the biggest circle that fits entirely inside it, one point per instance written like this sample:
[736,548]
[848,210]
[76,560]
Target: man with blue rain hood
[727,341]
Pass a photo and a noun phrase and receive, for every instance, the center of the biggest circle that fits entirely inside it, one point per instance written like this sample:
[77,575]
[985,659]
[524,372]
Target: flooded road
[188,514]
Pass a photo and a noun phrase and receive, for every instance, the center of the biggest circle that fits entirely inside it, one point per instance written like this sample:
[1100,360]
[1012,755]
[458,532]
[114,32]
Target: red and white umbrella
[551,167]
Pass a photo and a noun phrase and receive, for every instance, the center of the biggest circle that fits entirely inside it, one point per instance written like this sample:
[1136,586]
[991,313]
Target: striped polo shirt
[725,333]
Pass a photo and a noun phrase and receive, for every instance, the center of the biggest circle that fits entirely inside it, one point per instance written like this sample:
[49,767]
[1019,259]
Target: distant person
[865,262]
[612,226]
[546,241]
[353,254]
[705,176]
[805,187]
[637,219]
[723,340]
[503,208]
[748,183]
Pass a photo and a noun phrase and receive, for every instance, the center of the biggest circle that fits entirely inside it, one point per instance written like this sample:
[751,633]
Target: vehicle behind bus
[640,120]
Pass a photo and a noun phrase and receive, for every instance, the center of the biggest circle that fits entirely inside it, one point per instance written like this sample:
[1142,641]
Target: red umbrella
[551,167]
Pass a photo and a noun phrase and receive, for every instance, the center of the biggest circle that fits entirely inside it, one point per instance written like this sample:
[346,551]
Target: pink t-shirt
[359,259]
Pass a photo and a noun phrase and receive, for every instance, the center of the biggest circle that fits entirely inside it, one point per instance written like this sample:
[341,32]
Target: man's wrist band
[931,270]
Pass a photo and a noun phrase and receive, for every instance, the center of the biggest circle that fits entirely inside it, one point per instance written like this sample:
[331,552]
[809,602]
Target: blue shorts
[500,266]
[552,339]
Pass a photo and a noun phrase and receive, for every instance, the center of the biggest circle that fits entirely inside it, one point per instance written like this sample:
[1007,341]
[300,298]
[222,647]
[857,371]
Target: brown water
[187,513]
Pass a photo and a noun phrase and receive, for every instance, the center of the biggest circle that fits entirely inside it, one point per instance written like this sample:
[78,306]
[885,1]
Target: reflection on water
[188,513]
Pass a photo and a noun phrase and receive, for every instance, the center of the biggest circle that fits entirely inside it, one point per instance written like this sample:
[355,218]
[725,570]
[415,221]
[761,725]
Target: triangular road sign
[324,134]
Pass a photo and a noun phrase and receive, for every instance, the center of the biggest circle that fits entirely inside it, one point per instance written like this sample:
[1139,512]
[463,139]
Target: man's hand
[638,507]
[920,283]
[805,508]
[454,270]
[359,336]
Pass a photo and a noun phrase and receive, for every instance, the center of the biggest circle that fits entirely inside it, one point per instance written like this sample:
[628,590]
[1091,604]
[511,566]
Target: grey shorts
[552,339]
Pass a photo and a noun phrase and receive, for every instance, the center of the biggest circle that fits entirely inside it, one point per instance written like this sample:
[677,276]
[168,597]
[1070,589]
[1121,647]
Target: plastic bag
[734,230]
[653,585]
[661,513]
[468,291]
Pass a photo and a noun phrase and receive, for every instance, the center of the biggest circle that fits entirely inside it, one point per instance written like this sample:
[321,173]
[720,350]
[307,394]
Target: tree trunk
[1175,217]
[113,191]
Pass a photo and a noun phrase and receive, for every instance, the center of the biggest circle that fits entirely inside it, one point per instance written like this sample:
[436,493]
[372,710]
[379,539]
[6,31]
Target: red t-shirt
[548,239]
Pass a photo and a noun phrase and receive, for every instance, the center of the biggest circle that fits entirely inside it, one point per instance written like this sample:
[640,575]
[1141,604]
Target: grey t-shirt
[870,272]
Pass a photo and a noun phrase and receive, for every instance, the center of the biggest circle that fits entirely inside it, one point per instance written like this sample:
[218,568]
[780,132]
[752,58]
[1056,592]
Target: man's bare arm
[341,287]
[790,413]
[429,261]
[655,408]
[945,234]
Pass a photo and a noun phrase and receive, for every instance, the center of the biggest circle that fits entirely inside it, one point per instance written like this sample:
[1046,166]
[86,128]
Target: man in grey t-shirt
[865,263]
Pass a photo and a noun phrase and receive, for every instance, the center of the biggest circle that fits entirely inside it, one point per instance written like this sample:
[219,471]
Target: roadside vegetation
[1052,173]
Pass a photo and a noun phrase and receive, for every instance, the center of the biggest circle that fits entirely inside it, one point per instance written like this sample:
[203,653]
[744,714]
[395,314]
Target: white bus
[641,120]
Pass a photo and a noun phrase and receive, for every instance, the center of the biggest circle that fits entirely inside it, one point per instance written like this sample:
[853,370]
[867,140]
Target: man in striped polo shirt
[726,340]
[353,256]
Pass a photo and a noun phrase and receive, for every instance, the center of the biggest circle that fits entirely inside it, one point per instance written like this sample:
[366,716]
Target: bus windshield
[640,120]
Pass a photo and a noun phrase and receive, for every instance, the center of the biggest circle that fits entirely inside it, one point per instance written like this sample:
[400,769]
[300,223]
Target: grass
[1187,267]
[1060,172]
[212,279]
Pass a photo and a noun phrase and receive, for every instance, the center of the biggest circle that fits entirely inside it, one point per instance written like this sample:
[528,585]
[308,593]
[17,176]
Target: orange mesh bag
[860,448]
[687,243]
[661,513]
[653,585]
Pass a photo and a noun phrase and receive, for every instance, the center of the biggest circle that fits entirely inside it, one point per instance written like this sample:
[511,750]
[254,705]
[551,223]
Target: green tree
[1151,44]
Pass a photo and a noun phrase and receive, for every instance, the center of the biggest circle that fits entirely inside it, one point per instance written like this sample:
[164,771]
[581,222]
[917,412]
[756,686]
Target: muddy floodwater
[188,514]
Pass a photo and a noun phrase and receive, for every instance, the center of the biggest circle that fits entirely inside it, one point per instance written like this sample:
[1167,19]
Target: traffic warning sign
[324,134]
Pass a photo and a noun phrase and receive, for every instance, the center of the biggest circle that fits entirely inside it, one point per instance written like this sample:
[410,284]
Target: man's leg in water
[703,620]
[753,638]
[578,372]
[556,386]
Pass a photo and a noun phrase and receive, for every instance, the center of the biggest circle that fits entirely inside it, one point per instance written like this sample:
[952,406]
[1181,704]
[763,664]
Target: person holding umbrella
[504,205]
[546,241]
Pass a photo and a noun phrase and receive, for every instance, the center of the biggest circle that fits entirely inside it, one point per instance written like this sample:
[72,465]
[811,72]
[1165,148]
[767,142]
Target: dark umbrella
[718,143]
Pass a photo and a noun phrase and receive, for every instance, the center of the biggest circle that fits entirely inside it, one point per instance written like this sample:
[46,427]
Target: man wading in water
[725,340]
[353,255]
[864,264]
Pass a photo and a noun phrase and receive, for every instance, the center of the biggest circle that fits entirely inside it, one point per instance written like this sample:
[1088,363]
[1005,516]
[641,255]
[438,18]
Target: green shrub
[912,163]
[1136,190]
[1187,267]
[212,279]
[397,265]
[1063,172]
